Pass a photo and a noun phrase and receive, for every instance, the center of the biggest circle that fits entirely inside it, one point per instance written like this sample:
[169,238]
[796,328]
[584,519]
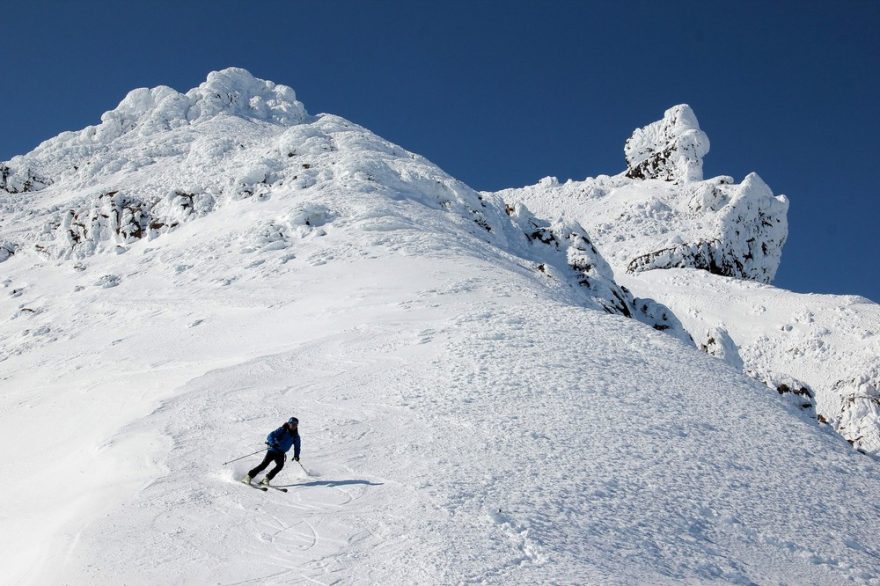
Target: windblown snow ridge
[660,213]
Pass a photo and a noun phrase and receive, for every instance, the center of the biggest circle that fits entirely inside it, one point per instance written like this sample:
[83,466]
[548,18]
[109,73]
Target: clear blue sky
[503,93]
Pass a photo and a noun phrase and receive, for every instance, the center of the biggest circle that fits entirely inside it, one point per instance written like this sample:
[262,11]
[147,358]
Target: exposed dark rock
[21,181]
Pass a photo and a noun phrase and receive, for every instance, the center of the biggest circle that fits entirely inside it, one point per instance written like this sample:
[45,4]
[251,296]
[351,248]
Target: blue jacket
[281,439]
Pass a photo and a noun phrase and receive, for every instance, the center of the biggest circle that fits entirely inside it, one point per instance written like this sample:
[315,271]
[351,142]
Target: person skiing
[279,442]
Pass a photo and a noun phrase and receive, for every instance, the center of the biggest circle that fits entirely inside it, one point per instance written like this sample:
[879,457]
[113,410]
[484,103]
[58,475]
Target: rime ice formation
[660,213]
[476,401]
[671,149]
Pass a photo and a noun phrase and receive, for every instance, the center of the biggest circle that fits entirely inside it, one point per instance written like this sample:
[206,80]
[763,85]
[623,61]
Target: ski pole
[243,457]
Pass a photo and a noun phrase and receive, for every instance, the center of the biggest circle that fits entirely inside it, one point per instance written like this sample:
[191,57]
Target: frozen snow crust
[476,404]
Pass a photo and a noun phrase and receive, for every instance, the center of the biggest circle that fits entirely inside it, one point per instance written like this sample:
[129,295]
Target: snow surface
[475,404]
[824,349]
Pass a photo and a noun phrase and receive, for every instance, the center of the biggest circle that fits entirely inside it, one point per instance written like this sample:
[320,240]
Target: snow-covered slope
[661,214]
[475,403]
[823,349]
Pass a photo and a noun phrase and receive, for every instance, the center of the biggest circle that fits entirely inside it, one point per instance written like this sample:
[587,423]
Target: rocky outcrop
[671,149]
[660,213]
[21,180]
[565,253]
[115,220]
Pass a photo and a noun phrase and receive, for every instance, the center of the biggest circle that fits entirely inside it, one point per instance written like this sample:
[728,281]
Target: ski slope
[461,429]
[474,405]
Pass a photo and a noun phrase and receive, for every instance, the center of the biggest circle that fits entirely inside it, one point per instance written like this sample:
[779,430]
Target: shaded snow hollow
[477,403]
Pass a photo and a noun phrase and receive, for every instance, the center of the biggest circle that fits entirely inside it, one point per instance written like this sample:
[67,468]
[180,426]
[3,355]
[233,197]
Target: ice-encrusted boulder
[857,415]
[671,149]
[660,213]
[717,342]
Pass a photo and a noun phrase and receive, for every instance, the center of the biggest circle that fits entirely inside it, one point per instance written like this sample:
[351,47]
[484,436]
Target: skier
[279,442]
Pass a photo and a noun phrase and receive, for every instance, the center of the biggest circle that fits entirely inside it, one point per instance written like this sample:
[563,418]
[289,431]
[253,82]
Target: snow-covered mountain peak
[150,124]
[236,91]
[671,149]
[245,152]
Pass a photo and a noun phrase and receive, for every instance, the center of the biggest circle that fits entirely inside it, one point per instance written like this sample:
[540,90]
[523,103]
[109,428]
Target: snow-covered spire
[671,149]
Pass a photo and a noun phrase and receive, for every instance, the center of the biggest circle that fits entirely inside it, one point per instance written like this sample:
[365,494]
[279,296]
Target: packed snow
[480,399]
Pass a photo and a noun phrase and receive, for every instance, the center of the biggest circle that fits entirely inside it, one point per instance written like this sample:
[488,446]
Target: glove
[296,458]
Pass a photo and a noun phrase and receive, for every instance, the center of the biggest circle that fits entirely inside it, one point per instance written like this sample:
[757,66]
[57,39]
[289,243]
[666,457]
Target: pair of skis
[265,487]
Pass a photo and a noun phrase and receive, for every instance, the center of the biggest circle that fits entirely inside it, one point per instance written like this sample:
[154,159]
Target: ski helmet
[293,421]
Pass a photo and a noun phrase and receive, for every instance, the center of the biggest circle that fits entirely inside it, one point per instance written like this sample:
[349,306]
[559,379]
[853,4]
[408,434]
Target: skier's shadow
[332,483]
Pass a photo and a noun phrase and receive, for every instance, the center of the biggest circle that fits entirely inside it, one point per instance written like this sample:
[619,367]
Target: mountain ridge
[475,403]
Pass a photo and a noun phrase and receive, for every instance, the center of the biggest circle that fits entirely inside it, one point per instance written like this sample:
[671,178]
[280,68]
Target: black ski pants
[277,457]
